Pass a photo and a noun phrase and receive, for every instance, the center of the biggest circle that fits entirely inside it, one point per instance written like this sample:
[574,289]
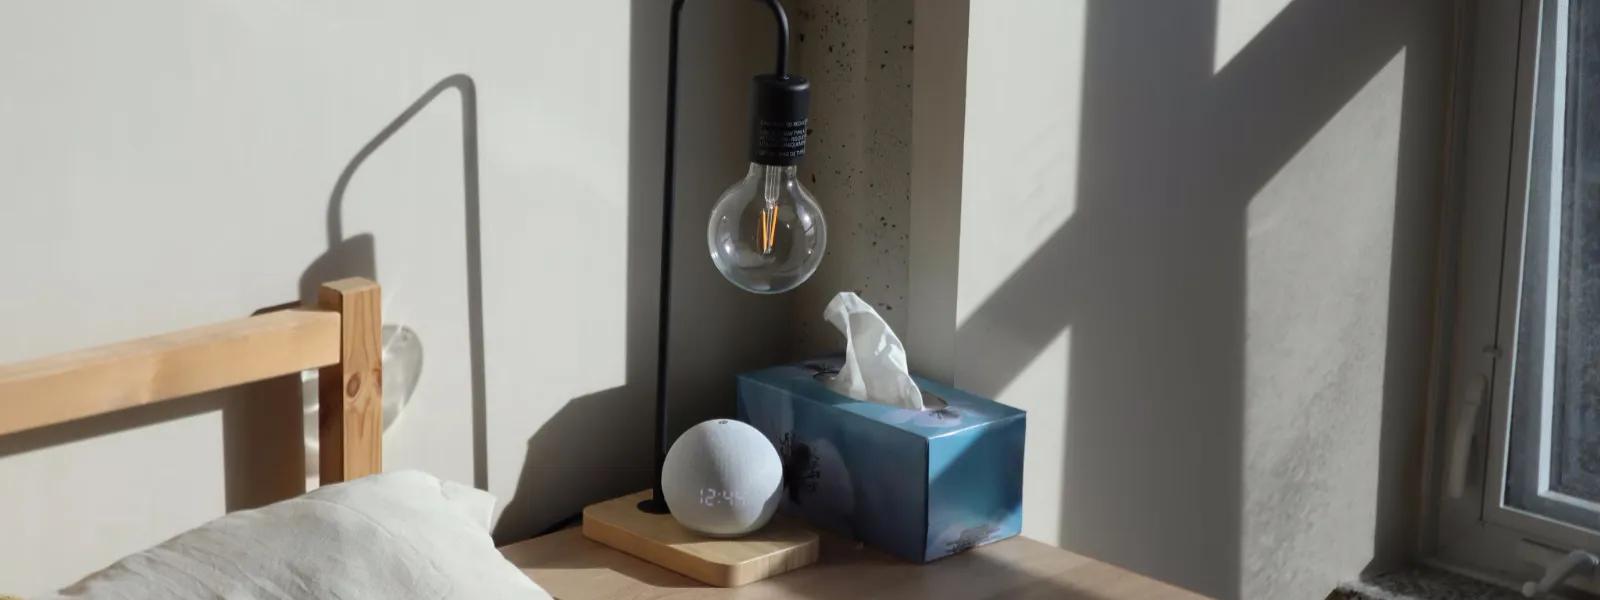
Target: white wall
[1190,238]
[167,164]
[1194,243]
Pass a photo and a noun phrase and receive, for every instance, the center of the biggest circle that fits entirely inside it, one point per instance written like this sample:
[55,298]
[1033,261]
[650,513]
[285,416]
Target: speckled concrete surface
[858,56]
[1419,583]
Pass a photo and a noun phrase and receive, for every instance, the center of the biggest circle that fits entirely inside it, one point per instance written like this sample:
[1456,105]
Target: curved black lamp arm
[783,36]
[658,503]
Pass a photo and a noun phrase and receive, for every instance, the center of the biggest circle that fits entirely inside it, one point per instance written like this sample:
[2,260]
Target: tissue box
[918,484]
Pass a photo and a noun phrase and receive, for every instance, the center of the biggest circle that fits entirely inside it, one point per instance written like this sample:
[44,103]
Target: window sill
[1421,582]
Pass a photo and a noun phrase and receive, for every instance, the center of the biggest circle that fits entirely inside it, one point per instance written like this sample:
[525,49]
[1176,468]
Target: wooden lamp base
[782,546]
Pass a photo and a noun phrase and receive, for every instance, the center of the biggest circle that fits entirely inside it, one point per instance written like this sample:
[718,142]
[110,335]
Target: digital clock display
[716,497]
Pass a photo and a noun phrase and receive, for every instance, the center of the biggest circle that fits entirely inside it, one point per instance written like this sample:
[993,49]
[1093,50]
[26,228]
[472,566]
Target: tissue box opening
[918,484]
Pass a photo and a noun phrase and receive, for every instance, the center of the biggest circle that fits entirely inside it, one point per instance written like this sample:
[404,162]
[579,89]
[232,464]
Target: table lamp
[766,235]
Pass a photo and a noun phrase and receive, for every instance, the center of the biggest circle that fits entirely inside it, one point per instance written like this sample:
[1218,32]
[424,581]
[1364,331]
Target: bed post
[350,392]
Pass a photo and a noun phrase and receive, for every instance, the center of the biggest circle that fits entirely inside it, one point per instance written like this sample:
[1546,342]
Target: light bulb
[766,233]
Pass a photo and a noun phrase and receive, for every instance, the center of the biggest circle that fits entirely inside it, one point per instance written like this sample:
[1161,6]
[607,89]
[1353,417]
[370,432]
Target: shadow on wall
[599,445]
[357,256]
[595,433]
[262,447]
[1149,274]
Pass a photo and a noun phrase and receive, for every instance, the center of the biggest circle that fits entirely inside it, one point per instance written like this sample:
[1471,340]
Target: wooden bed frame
[342,336]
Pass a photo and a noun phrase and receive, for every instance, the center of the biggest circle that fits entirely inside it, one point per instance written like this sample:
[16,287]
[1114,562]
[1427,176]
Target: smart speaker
[722,478]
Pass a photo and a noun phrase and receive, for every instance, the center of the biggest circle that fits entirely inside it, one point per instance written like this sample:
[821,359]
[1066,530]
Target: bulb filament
[772,185]
[769,227]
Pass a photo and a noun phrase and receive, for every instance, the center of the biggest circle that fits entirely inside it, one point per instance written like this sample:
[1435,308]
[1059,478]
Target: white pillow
[391,536]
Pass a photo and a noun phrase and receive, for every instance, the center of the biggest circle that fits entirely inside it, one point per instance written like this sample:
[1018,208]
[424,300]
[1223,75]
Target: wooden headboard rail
[342,336]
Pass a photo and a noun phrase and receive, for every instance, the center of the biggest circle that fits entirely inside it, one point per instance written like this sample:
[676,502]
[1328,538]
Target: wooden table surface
[571,567]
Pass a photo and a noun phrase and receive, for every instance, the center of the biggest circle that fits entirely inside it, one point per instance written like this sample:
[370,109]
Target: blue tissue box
[920,485]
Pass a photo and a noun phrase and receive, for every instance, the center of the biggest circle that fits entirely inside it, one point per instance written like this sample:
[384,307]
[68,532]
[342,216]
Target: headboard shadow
[341,336]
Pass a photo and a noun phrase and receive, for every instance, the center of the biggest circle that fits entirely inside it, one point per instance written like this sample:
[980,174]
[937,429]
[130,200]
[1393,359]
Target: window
[1552,465]
[1520,483]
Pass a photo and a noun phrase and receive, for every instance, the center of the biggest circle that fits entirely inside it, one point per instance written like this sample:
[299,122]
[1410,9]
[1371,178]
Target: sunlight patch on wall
[1042,390]
[1023,125]
[1319,247]
[1238,22]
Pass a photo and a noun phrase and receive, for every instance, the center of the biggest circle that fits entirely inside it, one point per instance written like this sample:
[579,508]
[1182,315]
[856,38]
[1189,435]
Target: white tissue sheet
[875,367]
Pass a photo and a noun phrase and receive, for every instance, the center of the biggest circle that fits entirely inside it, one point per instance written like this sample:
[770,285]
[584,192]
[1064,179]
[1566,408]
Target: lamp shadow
[1150,277]
[356,256]
[600,445]
[593,434]
[262,453]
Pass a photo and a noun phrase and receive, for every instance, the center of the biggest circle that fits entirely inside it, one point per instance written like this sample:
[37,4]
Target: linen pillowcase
[394,536]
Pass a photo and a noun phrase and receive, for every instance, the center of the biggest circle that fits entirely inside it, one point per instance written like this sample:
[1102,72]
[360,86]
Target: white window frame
[1475,530]
[1516,250]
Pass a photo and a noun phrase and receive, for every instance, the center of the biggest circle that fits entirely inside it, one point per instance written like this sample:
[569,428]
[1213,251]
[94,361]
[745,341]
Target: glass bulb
[767,234]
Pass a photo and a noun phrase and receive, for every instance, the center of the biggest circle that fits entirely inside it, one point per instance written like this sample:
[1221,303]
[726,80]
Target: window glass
[1554,463]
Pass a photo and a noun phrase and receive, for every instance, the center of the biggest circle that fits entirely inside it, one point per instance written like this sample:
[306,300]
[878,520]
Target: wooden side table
[571,567]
